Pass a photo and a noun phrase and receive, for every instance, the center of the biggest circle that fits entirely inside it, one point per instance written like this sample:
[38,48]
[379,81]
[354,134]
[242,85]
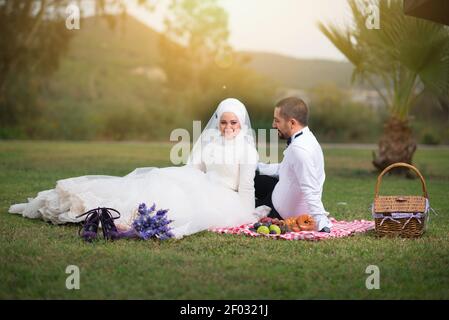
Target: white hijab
[234,106]
[212,134]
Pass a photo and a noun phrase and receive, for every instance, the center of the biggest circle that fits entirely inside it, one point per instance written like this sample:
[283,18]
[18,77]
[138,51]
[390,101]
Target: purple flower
[161,212]
[142,208]
[153,207]
[148,225]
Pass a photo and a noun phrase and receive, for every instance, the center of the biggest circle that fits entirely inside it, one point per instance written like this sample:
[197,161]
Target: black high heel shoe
[110,231]
[89,228]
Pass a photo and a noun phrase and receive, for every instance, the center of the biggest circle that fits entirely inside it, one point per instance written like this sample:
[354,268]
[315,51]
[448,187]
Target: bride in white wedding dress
[214,189]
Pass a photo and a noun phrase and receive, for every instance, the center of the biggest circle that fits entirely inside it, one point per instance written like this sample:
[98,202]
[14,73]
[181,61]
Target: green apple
[263,230]
[275,228]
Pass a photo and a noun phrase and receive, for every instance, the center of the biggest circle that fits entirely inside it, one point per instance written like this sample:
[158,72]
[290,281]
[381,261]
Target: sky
[287,27]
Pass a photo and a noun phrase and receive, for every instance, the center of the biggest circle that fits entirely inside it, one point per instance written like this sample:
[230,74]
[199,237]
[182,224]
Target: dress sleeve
[247,172]
[268,169]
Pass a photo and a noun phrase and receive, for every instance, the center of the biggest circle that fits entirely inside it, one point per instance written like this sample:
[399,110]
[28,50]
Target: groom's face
[281,124]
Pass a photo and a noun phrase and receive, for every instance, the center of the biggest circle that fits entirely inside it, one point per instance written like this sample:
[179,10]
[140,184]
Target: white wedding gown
[198,197]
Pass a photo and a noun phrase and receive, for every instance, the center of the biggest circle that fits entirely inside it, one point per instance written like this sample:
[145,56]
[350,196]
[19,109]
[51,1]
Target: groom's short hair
[295,108]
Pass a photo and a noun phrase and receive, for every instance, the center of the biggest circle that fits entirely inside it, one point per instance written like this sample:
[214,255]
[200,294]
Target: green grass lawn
[34,254]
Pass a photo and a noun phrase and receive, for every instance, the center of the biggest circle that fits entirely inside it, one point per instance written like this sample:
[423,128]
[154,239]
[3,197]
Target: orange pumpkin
[291,223]
[303,222]
[306,222]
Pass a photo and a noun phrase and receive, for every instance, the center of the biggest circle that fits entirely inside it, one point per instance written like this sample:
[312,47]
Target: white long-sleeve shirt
[301,179]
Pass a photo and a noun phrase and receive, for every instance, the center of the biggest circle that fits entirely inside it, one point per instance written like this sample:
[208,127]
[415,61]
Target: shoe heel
[110,231]
[89,229]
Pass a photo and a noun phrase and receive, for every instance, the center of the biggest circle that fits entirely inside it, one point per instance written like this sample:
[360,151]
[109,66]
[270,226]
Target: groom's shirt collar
[297,134]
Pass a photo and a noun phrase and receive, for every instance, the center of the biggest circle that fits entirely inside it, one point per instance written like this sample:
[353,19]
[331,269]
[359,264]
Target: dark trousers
[264,186]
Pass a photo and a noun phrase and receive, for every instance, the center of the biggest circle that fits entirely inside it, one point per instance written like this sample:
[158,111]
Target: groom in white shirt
[295,185]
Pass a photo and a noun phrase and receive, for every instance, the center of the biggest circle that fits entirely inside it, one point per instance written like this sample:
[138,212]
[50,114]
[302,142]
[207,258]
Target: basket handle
[401,164]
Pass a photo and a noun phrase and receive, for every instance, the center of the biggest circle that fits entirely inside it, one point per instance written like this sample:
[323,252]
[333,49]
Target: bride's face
[229,125]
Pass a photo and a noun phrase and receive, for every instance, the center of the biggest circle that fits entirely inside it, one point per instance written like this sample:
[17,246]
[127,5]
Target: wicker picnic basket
[403,216]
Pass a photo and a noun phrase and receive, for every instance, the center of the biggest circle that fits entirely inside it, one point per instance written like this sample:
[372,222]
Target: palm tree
[400,60]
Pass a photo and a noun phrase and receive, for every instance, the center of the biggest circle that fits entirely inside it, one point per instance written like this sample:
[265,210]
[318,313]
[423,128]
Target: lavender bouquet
[149,224]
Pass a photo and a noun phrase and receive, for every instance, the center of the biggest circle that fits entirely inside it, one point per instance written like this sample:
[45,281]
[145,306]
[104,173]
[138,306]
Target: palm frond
[343,41]
[403,53]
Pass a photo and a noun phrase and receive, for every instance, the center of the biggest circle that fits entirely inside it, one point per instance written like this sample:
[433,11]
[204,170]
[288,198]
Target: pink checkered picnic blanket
[340,229]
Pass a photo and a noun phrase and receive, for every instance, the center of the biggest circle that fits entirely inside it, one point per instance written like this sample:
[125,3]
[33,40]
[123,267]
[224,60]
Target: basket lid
[390,204]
